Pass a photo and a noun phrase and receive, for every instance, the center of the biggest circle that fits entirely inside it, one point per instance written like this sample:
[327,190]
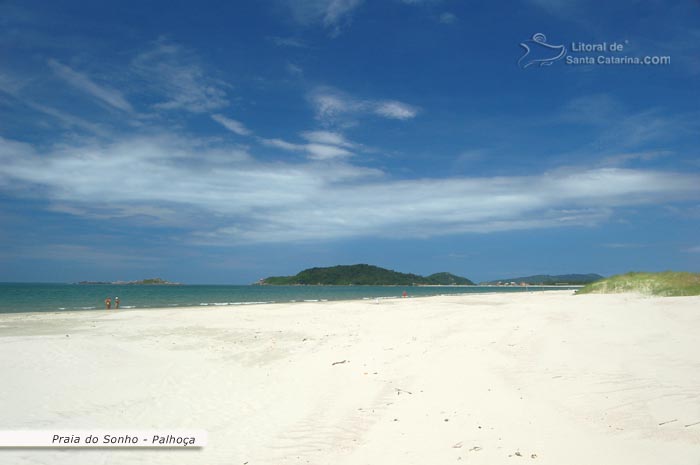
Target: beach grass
[667,283]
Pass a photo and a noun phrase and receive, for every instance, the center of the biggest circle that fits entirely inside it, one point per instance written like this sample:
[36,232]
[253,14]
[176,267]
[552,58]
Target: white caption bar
[104,438]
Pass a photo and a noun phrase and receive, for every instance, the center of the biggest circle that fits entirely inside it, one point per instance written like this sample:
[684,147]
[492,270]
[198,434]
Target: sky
[223,142]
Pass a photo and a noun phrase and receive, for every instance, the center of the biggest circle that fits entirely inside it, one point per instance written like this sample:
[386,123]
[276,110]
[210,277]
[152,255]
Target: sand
[541,378]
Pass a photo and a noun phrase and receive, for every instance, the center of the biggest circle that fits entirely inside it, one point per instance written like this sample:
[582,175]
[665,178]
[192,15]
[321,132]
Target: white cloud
[321,145]
[327,137]
[395,110]
[223,195]
[232,125]
[83,83]
[333,106]
[335,9]
[695,249]
[176,75]
[447,18]
[294,70]
[326,152]
[281,144]
[326,12]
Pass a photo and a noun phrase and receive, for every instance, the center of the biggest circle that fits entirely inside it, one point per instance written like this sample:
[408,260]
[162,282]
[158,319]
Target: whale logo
[538,52]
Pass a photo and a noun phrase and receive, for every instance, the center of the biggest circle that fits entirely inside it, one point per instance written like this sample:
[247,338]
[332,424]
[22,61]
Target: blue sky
[222,143]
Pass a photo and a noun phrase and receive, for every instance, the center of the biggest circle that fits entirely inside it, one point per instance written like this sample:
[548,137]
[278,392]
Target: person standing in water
[116,303]
[108,303]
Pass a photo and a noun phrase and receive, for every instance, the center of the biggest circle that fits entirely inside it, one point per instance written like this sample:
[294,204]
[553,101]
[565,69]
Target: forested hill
[368,275]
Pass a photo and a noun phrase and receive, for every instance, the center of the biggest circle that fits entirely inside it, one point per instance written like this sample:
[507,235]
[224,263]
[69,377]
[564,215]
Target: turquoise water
[16,298]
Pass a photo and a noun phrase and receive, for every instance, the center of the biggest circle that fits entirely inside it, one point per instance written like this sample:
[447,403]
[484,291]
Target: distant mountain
[546,279]
[368,275]
[149,281]
[448,279]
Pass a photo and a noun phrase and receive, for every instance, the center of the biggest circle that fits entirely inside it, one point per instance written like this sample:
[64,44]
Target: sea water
[32,297]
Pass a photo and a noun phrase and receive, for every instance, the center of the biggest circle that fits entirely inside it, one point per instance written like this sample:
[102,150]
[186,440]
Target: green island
[149,281]
[364,275]
[668,283]
[549,280]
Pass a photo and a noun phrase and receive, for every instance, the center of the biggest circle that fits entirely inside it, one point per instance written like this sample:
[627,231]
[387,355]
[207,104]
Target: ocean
[33,297]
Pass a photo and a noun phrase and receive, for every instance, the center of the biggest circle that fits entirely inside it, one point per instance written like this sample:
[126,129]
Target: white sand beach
[541,378]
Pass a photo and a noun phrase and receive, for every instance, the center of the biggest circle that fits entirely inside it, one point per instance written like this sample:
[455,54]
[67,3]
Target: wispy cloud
[326,152]
[695,249]
[419,2]
[627,157]
[77,253]
[593,109]
[288,42]
[320,145]
[561,8]
[176,76]
[625,130]
[83,83]
[328,13]
[328,138]
[326,145]
[330,104]
[68,120]
[447,18]
[294,70]
[623,245]
[226,196]
[395,110]
[232,125]
[281,144]
[10,84]
[333,106]
[333,10]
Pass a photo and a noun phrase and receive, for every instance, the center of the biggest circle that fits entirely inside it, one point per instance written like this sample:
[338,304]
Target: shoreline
[230,306]
[256,304]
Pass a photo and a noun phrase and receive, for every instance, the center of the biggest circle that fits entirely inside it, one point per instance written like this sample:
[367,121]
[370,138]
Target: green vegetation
[448,279]
[669,283]
[550,280]
[149,281]
[368,275]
